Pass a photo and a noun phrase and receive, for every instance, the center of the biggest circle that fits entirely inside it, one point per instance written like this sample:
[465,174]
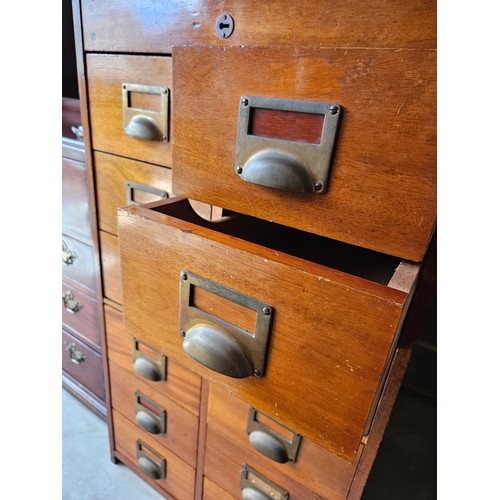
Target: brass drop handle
[76,356]
[68,256]
[70,304]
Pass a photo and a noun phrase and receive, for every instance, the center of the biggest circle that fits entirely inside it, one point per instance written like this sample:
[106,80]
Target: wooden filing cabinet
[265,201]
[82,366]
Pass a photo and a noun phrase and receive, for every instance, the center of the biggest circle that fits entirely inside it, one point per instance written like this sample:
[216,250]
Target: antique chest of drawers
[265,200]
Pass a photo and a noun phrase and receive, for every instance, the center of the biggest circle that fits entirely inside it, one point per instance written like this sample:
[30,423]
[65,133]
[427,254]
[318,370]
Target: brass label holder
[286,164]
[146,366]
[217,344]
[154,423]
[131,187]
[270,443]
[144,123]
[255,485]
[150,462]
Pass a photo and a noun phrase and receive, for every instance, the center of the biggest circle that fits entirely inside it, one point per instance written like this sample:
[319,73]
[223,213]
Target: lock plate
[289,165]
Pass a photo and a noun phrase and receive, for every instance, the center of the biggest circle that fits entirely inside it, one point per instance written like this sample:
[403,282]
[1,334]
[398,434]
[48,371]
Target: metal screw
[266,310]
[245,101]
[124,87]
[184,275]
[239,170]
[257,373]
[182,333]
[164,137]
[165,91]
[334,110]
[318,186]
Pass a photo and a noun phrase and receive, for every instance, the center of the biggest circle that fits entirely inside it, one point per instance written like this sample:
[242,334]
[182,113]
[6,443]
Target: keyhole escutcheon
[224,26]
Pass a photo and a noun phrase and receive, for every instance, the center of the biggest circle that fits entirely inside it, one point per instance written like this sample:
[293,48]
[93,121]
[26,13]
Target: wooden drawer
[381,192]
[179,427]
[78,264]
[75,201]
[314,467]
[79,312]
[334,317]
[181,385]
[180,476]
[106,76]
[212,491]
[83,364]
[121,182]
[110,263]
[156,26]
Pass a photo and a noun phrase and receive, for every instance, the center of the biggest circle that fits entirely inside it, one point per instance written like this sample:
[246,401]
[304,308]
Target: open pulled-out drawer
[299,326]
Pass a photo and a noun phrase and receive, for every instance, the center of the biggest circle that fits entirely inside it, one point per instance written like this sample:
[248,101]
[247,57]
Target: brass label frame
[160,418]
[246,484]
[131,186]
[160,464]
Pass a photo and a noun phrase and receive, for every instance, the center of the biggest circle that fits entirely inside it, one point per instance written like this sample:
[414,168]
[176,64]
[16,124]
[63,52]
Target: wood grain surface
[110,264]
[212,491]
[156,25]
[318,470]
[182,385]
[382,188]
[111,175]
[182,426]
[180,476]
[106,75]
[324,363]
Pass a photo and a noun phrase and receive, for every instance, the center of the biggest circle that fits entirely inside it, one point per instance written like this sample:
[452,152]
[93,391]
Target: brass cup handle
[70,304]
[251,494]
[76,356]
[147,369]
[269,446]
[149,467]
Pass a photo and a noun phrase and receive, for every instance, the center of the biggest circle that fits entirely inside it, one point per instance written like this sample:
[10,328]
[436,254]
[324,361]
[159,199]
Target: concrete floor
[405,467]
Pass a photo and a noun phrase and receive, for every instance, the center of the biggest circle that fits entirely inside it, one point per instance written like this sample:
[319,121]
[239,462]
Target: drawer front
[212,491]
[78,263]
[223,463]
[330,335]
[156,26]
[79,312]
[381,190]
[168,423]
[121,182]
[119,116]
[83,364]
[181,385]
[75,201]
[180,476]
[110,263]
[314,467]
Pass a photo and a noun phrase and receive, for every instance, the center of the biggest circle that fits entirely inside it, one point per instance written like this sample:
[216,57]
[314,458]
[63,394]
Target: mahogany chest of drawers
[265,200]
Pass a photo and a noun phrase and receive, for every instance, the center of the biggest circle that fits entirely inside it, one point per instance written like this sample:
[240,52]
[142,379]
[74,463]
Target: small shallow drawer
[75,200]
[305,341]
[129,106]
[79,312]
[83,364]
[110,262]
[155,461]
[180,384]
[276,450]
[156,26]
[121,182]
[78,263]
[167,422]
[344,146]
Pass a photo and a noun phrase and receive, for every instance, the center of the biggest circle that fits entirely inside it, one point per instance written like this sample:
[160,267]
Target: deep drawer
[181,385]
[156,26]
[78,263]
[332,321]
[168,423]
[250,156]
[314,467]
[79,311]
[123,118]
[83,364]
[121,182]
[178,478]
